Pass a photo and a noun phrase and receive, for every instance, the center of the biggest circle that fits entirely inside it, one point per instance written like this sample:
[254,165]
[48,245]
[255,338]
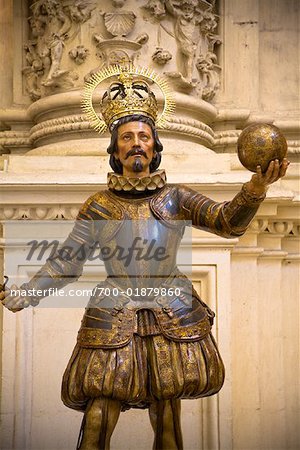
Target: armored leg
[98,424]
[165,421]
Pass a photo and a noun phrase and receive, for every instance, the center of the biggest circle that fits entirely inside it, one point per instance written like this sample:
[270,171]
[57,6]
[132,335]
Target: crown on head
[130,94]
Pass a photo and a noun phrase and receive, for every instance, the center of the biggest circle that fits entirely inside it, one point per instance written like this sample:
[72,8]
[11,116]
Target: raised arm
[231,219]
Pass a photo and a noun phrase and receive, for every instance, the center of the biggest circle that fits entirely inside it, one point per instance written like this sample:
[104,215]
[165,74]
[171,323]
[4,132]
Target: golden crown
[130,94]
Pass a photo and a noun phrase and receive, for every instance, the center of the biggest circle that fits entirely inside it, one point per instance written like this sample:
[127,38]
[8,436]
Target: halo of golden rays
[87,100]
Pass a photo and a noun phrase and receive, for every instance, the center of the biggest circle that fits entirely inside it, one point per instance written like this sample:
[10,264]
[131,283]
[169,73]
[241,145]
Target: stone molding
[259,253]
[283,227]
[276,226]
[55,128]
[282,230]
[59,126]
[39,212]
[191,127]
[52,130]
[10,139]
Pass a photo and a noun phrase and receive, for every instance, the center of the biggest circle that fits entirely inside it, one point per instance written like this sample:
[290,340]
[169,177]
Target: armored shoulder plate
[103,206]
[104,214]
[166,205]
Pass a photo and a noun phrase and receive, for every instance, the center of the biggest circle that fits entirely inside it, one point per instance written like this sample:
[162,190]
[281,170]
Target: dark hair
[112,148]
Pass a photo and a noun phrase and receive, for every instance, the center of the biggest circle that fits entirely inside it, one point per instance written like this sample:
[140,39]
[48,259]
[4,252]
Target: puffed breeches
[148,369]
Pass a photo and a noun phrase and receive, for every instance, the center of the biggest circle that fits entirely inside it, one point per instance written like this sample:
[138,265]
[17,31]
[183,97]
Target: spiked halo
[131,94]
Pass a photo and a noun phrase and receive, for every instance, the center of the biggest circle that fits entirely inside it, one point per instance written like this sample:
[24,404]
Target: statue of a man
[145,340]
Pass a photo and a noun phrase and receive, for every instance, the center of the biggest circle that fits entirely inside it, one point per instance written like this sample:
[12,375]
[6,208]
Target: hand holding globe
[259,144]
[262,149]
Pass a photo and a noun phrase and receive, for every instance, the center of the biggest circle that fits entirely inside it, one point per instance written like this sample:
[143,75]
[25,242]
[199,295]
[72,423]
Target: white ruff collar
[150,182]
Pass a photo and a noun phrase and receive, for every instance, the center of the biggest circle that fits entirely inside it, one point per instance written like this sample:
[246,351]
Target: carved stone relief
[209,73]
[119,23]
[79,54]
[117,48]
[161,56]
[193,27]
[70,39]
[118,3]
[54,26]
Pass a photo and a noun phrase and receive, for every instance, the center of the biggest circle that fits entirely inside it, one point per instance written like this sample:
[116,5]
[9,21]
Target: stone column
[245,341]
[290,328]
[7,53]
[265,344]
[6,83]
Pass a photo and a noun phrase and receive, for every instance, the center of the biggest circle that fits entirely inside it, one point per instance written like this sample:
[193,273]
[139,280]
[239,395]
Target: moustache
[136,151]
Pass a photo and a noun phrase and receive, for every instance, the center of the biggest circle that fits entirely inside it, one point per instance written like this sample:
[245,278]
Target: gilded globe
[259,144]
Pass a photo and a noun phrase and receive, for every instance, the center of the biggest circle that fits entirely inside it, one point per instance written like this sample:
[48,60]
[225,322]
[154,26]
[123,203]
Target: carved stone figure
[157,8]
[34,70]
[208,26]
[187,19]
[209,73]
[194,31]
[53,38]
[145,340]
[161,56]
[81,10]
[52,24]
[79,54]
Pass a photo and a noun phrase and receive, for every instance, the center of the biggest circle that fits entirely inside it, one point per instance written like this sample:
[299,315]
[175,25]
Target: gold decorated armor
[124,345]
[169,204]
[169,209]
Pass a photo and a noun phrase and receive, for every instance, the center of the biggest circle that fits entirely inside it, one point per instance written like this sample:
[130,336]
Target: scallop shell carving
[119,23]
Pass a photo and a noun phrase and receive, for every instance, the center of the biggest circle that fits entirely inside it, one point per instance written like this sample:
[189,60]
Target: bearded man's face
[135,148]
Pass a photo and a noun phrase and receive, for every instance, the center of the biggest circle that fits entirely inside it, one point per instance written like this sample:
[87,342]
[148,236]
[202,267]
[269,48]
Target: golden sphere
[259,144]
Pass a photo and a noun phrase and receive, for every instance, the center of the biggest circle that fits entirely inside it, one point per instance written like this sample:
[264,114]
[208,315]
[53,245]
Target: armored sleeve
[227,219]
[66,263]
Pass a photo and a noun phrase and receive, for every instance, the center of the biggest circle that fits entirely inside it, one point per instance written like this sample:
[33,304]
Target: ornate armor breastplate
[140,252]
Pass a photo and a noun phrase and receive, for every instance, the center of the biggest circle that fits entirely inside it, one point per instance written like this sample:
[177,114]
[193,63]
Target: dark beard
[137,165]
